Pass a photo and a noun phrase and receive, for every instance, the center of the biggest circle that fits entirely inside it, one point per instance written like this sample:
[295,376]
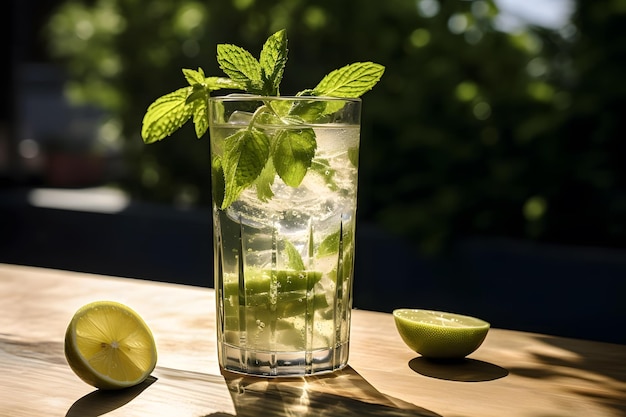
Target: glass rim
[255,97]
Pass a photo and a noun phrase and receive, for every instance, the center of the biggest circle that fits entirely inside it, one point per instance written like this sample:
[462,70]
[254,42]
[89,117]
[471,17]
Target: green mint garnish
[170,112]
[166,115]
[251,156]
[292,155]
[260,77]
[273,59]
[245,154]
[294,260]
[194,77]
[330,245]
[322,167]
[264,183]
[241,67]
[351,81]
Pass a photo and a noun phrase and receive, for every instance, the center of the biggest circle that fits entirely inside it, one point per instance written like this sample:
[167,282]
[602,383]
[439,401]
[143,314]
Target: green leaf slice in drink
[259,282]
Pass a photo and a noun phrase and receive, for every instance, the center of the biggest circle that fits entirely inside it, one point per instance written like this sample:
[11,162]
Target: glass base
[286,364]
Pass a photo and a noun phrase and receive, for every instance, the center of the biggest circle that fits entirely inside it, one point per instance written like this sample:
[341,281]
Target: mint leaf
[322,167]
[194,77]
[201,91]
[308,111]
[273,59]
[217,83]
[241,67]
[353,156]
[292,154]
[294,260]
[198,92]
[245,154]
[171,111]
[200,117]
[330,245]
[264,182]
[350,81]
[218,186]
[166,115]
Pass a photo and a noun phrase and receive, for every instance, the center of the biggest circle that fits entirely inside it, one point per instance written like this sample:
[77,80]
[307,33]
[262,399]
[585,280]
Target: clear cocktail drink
[284,234]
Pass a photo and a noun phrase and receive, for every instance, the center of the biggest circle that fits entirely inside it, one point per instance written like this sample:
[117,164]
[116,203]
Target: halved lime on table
[109,346]
[438,334]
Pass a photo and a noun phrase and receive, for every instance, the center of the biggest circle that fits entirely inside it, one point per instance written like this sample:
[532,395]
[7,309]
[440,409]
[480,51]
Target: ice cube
[240,118]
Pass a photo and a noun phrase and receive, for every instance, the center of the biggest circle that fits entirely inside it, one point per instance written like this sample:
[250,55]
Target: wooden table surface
[511,374]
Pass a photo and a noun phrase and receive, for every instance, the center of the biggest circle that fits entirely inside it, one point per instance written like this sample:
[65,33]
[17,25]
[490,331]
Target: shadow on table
[343,393]
[100,402]
[462,370]
[603,364]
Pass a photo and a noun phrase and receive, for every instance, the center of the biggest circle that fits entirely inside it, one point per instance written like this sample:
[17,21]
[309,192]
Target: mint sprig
[241,67]
[245,154]
[261,77]
[351,81]
[292,154]
[252,157]
[170,112]
[273,60]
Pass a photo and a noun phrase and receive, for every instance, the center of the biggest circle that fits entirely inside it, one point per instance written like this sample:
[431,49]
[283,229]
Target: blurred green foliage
[472,131]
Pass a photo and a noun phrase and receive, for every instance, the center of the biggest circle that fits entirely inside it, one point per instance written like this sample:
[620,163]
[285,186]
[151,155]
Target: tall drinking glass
[284,204]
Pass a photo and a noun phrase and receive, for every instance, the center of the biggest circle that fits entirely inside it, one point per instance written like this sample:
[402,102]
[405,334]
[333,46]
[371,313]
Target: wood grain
[512,374]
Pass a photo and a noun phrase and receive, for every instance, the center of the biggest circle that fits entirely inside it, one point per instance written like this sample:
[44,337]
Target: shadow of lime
[100,402]
[462,370]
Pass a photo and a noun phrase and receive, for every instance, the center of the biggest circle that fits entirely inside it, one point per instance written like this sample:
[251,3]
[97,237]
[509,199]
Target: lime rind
[259,281]
[435,334]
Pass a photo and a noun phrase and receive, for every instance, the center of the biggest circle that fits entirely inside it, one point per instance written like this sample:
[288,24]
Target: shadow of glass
[100,402]
[462,370]
[343,393]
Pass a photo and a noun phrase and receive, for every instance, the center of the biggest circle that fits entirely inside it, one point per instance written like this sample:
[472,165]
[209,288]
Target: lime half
[437,334]
[109,346]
